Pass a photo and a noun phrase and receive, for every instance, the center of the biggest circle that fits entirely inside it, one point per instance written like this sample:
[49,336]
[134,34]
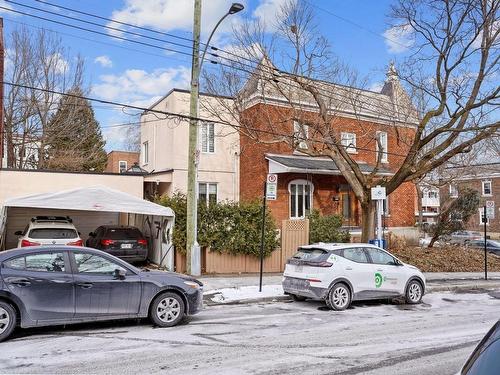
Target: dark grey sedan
[42,286]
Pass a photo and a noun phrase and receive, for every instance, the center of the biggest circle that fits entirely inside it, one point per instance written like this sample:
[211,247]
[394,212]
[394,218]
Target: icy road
[276,338]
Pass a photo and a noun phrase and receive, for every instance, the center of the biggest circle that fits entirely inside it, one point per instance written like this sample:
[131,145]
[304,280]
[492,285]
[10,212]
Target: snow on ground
[227,295]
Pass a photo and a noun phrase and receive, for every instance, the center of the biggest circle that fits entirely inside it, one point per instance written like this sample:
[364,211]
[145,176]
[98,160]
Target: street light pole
[193,256]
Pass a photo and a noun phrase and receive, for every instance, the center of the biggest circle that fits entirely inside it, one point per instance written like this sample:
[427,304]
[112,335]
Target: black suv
[125,242]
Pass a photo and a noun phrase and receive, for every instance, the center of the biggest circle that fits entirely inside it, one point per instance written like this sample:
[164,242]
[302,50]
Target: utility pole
[193,266]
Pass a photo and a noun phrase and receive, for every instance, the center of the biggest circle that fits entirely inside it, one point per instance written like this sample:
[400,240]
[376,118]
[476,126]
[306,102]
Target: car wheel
[414,292]
[7,320]
[167,310]
[298,298]
[339,297]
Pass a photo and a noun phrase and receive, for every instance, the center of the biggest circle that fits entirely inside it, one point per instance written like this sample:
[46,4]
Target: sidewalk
[232,289]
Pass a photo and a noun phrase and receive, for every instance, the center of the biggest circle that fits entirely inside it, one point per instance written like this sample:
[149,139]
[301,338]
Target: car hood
[164,276]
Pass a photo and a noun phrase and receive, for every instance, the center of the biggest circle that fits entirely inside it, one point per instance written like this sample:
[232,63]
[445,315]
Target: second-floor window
[453,191]
[487,190]
[122,166]
[300,134]
[145,152]
[348,140]
[381,146]
[208,137]
[432,194]
[207,193]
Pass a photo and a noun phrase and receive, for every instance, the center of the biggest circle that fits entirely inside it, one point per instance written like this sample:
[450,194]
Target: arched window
[301,192]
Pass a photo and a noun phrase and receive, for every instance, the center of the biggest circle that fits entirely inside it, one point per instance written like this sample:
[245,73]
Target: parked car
[342,273]
[44,286]
[463,237]
[485,359]
[125,242]
[49,230]
[491,245]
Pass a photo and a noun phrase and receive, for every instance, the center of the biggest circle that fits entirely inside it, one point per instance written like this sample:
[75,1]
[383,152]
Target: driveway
[275,338]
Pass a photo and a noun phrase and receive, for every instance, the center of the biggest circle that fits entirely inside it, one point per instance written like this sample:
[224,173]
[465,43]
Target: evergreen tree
[74,141]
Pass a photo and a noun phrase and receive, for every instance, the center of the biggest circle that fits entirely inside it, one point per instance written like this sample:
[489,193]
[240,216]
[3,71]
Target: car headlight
[192,284]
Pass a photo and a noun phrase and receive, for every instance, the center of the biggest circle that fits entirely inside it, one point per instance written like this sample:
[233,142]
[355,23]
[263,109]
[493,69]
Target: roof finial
[392,74]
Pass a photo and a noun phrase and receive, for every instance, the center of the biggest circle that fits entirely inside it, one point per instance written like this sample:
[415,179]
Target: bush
[224,227]
[326,228]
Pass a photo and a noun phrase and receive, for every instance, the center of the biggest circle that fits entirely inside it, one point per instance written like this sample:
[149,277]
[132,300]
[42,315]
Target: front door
[98,292]
[44,283]
[358,271]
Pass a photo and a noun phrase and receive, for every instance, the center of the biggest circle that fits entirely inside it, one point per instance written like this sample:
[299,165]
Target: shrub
[326,228]
[228,227]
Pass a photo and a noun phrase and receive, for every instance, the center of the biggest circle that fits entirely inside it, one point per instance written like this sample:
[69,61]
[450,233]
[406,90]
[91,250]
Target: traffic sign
[490,209]
[272,187]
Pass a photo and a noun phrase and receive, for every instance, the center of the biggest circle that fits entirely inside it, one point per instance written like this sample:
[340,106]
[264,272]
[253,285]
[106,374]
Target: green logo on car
[378,280]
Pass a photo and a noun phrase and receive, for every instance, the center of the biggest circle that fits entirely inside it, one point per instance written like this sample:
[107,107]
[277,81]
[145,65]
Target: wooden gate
[294,233]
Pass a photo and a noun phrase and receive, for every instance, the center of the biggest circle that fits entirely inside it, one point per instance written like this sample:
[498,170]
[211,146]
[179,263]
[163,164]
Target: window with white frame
[487,190]
[208,137]
[348,140]
[300,198]
[453,191]
[207,193]
[145,152]
[482,217]
[122,166]
[381,146]
[300,134]
[433,194]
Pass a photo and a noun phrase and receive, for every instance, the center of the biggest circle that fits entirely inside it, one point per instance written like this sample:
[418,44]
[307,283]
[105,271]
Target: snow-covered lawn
[244,293]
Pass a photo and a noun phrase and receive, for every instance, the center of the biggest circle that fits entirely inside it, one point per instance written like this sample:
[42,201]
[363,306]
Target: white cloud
[8,6]
[104,61]
[376,86]
[266,11]
[399,38]
[170,15]
[60,64]
[139,87]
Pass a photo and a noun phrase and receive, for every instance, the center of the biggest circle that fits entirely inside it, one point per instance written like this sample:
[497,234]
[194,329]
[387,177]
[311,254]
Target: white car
[49,230]
[342,273]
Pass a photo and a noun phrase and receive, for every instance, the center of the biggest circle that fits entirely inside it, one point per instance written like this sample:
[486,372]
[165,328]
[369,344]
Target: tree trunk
[433,240]
[367,220]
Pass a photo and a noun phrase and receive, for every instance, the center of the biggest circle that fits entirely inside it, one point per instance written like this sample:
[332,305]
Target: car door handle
[19,282]
[348,268]
[85,285]
[380,269]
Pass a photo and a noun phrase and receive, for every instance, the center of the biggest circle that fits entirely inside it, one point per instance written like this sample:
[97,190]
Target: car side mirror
[119,274]
[91,234]
[18,233]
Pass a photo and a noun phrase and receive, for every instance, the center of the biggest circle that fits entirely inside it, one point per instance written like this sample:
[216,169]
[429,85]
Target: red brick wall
[254,167]
[114,157]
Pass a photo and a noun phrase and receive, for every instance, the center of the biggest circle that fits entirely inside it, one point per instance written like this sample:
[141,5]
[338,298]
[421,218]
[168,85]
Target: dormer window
[300,135]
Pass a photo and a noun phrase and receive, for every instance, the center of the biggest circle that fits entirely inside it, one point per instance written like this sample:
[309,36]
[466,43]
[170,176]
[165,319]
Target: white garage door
[84,221]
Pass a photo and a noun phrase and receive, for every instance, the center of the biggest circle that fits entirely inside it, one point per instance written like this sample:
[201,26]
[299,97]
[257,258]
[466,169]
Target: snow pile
[243,293]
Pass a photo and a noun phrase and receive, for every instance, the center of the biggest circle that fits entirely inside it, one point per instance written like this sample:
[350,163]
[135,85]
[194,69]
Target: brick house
[485,179]
[121,161]
[306,182]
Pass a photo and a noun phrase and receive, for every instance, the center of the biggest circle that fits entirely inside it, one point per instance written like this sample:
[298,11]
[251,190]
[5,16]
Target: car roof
[118,227]
[336,246]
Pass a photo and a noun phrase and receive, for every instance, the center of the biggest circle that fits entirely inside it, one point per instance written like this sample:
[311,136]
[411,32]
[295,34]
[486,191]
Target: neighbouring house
[121,161]
[164,151]
[25,152]
[233,166]
[484,178]
[430,204]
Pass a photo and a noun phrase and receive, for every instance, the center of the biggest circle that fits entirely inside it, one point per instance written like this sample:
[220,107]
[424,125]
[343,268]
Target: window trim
[145,153]
[385,154]
[119,168]
[453,194]
[311,200]
[351,147]
[207,125]
[207,195]
[482,188]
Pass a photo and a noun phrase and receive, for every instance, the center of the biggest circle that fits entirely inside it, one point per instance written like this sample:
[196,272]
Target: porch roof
[315,165]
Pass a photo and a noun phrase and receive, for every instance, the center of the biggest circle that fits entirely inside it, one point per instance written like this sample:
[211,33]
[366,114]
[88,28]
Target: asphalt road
[275,338]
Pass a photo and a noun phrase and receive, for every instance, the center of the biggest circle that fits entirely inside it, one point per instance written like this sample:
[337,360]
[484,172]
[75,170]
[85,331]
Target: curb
[484,286]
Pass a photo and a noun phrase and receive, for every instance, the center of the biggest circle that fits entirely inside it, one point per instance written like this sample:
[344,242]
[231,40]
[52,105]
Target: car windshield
[123,234]
[308,254]
[53,233]
[488,362]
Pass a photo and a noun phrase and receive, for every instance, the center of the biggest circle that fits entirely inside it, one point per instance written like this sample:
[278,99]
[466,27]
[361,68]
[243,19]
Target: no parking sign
[272,187]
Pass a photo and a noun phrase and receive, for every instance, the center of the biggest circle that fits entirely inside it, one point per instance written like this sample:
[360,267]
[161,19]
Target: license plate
[126,246]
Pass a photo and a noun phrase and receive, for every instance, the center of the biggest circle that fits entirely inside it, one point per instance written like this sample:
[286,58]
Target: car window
[488,362]
[95,264]
[308,254]
[123,234]
[53,233]
[380,257]
[45,262]
[15,264]
[356,254]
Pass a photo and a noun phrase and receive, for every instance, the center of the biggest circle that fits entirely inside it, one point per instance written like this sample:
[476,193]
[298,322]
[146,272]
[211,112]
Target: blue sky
[129,73]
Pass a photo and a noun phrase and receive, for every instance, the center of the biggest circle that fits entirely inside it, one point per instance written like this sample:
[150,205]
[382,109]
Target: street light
[193,258]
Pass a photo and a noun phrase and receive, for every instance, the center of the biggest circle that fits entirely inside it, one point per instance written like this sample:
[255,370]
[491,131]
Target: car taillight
[107,242]
[143,242]
[75,243]
[318,264]
[26,243]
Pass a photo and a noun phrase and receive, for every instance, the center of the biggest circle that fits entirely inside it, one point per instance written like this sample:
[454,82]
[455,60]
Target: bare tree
[450,76]
[34,59]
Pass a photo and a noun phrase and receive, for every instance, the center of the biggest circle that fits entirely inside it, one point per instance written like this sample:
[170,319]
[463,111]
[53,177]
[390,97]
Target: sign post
[271,193]
[379,194]
[489,213]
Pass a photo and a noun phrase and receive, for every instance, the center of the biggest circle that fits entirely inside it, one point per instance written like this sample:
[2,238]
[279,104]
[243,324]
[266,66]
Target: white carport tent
[154,220]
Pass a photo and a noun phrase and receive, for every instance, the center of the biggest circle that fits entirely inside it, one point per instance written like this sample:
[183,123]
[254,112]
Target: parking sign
[272,187]
[490,209]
